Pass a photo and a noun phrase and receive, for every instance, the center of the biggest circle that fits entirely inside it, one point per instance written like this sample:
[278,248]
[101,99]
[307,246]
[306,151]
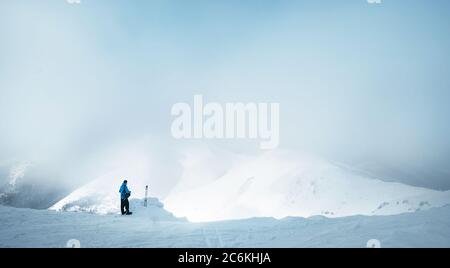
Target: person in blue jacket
[124,194]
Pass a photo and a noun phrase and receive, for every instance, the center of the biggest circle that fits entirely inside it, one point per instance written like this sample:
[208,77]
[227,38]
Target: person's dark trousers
[124,206]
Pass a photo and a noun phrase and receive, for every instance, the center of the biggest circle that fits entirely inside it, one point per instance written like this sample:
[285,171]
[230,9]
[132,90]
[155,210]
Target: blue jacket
[123,191]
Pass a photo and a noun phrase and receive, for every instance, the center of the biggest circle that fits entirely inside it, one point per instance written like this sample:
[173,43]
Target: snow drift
[101,197]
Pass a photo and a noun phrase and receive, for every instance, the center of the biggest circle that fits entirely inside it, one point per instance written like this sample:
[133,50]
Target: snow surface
[277,199]
[46,228]
[153,212]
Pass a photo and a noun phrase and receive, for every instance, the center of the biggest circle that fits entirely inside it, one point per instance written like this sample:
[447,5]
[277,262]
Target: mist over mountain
[370,92]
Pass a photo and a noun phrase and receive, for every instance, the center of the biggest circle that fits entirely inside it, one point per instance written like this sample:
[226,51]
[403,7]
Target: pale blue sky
[356,82]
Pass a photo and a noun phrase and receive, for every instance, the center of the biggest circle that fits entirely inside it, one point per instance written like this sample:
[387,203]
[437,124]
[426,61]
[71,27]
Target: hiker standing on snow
[124,194]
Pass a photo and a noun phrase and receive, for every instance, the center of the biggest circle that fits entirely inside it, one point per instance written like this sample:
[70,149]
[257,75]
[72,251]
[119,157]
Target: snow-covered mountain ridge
[276,184]
[283,183]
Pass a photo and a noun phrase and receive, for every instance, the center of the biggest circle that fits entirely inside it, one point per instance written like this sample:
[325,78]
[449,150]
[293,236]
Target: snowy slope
[21,186]
[101,197]
[44,228]
[283,183]
[200,164]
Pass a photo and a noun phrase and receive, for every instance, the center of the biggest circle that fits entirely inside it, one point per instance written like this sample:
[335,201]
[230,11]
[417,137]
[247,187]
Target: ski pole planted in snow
[146,192]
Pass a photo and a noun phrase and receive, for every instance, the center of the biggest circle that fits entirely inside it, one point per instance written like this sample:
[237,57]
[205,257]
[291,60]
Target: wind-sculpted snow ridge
[283,183]
[153,211]
[100,197]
